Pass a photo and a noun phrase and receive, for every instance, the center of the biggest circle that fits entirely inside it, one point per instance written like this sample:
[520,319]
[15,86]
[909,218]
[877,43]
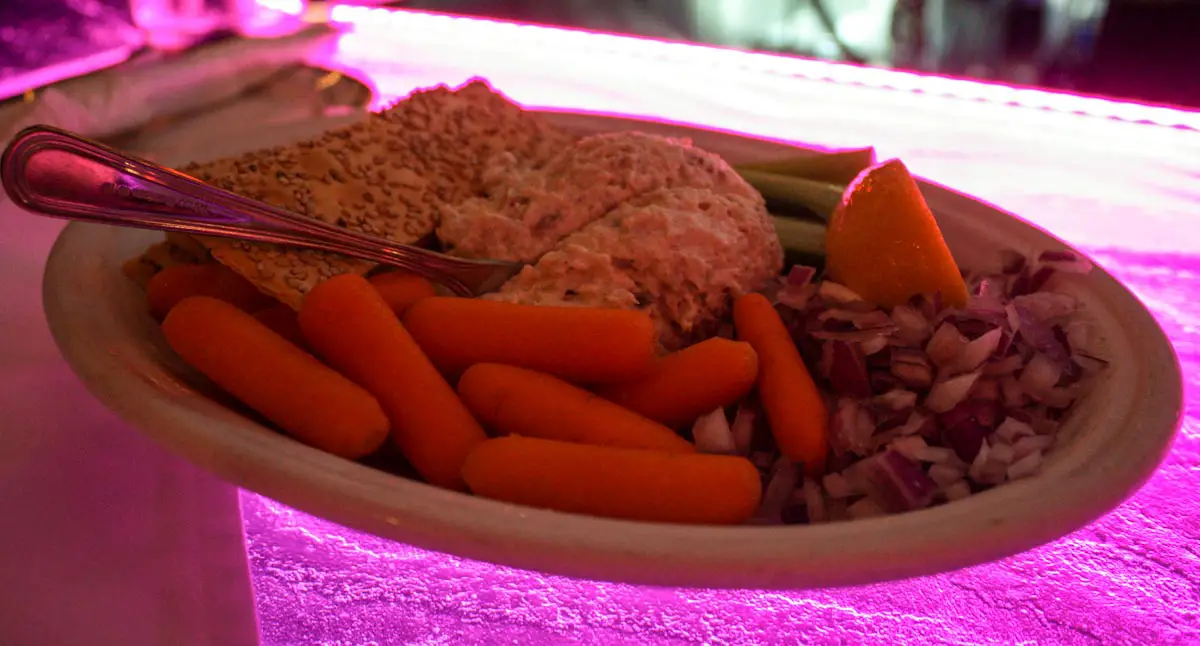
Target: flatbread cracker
[388,176]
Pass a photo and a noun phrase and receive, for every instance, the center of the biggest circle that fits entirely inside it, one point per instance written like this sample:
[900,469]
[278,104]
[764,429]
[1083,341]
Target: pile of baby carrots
[562,408]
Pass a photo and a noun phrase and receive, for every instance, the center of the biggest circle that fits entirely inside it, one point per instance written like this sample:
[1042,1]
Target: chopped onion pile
[927,404]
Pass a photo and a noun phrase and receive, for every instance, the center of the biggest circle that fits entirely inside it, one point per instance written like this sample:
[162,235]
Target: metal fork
[52,172]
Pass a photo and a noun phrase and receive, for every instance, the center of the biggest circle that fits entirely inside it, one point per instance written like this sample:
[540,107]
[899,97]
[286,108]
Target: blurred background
[1145,50]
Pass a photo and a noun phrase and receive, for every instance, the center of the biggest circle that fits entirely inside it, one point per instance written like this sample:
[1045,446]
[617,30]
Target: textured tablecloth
[1125,192]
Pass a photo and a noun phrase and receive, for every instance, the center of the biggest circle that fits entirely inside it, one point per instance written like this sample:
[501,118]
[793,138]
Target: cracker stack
[388,176]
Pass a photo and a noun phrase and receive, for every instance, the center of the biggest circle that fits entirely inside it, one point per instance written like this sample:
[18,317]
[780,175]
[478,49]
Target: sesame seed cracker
[389,176]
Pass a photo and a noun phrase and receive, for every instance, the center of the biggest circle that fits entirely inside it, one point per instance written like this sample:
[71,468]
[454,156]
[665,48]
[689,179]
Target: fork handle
[55,173]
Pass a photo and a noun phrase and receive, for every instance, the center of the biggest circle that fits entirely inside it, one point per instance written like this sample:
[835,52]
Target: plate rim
[615,550]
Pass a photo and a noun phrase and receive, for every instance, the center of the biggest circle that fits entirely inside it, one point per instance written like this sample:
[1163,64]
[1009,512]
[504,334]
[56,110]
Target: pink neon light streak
[456,31]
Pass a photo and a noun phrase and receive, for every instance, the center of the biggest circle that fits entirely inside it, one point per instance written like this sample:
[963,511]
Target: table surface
[1122,191]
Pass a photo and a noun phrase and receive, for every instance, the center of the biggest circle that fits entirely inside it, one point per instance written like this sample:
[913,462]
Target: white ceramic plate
[1108,447]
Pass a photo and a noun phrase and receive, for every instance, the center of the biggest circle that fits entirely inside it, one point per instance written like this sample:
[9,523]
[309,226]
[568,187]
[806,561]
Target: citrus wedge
[884,244]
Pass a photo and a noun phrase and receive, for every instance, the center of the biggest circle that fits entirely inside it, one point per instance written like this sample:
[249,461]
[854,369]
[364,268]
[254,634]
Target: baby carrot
[283,321]
[579,344]
[401,289]
[689,383]
[287,385]
[177,282]
[517,401]
[633,484]
[795,410]
[350,325]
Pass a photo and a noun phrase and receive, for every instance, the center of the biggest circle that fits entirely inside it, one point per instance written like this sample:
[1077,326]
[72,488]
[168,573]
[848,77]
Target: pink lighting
[577,45]
[288,7]
[1117,178]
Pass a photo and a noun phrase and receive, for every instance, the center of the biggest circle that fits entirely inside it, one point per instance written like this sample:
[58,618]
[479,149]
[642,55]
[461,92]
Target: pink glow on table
[1080,167]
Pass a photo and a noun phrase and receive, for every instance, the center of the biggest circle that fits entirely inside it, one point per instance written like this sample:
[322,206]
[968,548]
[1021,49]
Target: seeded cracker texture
[389,176]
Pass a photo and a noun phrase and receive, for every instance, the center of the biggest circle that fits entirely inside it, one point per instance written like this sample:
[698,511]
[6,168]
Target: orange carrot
[795,410]
[283,321]
[633,484]
[516,401]
[401,289]
[350,325]
[287,385]
[175,283]
[689,383]
[581,345]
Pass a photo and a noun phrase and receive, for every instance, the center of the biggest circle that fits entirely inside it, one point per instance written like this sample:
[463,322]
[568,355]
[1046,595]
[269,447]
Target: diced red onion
[1005,366]
[875,320]
[1047,306]
[1041,337]
[985,389]
[864,508]
[782,482]
[882,382]
[837,314]
[848,370]
[928,306]
[799,275]
[795,512]
[946,345]
[976,352]
[980,411]
[920,424]
[1011,430]
[983,379]
[850,336]
[957,491]
[1065,261]
[911,326]
[1013,317]
[1041,423]
[837,486]
[944,474]
[1026,282]
[966,438]
[1031,444]
[875,345]
[949,393]
[851,427]
[938,455]
[897,399]
[895,483]
[1011,392]
[1001,454]
[835,293]
[796,297]
[744,422]
[1058,397]
[712,434]
[814,500]
[912,368]
[910,446]
[1040,375]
